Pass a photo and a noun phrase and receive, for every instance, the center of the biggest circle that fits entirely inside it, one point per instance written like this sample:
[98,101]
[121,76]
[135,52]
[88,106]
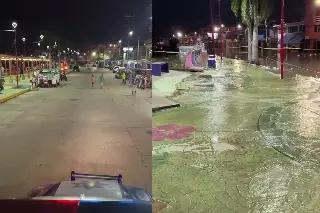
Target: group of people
[101,81]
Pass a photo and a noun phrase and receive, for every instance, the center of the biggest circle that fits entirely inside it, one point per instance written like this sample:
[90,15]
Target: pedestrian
[2,80]
[93,80]
[101,81]
[134,86]
[124,77]
[34,81]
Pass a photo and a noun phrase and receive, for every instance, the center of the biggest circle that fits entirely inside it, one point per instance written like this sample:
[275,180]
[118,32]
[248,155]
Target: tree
[244,9]
[261,11]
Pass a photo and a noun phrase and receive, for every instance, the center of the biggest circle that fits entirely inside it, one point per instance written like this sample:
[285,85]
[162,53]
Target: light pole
[119,48]
[14,25]
[130,34]
[282,41]
[138,47]
[24,52]
[211,58]
[221,27]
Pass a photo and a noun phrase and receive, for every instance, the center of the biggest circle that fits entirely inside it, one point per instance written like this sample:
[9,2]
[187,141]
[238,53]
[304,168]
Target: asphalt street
[46,134]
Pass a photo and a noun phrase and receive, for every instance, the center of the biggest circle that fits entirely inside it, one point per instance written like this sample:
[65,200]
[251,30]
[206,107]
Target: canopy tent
[293,38]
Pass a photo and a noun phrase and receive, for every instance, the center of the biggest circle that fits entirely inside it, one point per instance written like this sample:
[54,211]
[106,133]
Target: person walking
[93,81]
[101,79]
[124,76]
[2,80]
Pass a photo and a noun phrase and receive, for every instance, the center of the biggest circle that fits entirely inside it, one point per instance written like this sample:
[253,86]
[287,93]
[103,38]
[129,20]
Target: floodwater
[243,141]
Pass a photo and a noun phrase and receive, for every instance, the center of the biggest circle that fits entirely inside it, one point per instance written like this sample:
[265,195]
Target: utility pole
[220,36]
[211,58]
[129,17]
[282,41]
[138,48]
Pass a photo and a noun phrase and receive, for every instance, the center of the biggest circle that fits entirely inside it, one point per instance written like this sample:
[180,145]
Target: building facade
[312,24]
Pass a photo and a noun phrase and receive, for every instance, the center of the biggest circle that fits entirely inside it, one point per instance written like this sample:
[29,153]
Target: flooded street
[242,141]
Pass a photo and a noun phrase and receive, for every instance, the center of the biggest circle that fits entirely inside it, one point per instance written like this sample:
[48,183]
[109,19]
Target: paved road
[46,134]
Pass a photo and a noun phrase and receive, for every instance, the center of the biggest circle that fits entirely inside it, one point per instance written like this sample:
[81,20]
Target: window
[293,29]
[317,28]
[301,28]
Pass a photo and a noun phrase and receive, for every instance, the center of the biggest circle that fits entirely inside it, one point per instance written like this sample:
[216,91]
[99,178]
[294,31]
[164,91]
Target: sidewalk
[164,86]
[10,90]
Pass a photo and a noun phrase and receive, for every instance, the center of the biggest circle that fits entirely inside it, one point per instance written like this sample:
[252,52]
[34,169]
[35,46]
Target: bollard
[211,61]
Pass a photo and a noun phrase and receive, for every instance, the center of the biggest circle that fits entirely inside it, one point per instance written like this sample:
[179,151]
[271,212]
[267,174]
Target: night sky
[170,16]
[81,22]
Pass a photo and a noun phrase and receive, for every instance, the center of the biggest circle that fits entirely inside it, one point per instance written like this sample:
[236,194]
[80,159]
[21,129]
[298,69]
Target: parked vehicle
[48,78]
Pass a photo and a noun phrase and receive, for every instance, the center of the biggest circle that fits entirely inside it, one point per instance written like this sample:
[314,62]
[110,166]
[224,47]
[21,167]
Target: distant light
[41,37]
[179,34]
[222,25]
[216,29]
[114,45]
[119,41]
[131,33]
[23,39]
[47,47]
[173,36]
[317,2]
[239,26]
[39,44]
[14,25]
[110,45]
[94,53]
[195,33]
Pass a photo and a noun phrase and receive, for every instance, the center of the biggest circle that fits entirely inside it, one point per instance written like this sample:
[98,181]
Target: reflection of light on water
[306,122]
[270,188]
[191,148]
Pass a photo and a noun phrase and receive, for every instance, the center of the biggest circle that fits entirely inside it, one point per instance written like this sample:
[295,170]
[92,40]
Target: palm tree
[244,9]
[252,13]
[261,11]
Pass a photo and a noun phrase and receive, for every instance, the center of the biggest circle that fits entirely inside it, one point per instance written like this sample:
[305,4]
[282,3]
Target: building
[312,24]
[294,34]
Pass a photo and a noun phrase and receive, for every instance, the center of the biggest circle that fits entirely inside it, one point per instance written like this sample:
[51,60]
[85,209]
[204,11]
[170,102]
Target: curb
[157,109]
[9,97]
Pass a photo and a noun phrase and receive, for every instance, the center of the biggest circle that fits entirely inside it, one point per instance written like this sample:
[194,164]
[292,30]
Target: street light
[14,25]
[119,41]
[282,41]
[130,33]
[94,53]
[41,37]
[239,26]
[179,34]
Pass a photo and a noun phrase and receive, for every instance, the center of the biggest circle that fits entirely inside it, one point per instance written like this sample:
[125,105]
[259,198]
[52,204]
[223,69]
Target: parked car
[48,78]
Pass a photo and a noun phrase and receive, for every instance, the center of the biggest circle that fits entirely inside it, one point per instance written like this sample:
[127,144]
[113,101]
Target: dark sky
[170,16]
[79,21]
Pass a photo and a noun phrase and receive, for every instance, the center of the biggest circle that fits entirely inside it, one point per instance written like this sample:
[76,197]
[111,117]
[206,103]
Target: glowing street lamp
[130,33]
[179,34]
[41,37]
[24,39]
[239,26]
[94,53]
[119,41]
[14,25]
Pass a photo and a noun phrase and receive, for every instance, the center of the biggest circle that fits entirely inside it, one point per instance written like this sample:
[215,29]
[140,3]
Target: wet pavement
[45,134]
[243,141]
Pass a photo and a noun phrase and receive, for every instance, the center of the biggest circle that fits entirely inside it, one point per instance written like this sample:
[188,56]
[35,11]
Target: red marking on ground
[171,132]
